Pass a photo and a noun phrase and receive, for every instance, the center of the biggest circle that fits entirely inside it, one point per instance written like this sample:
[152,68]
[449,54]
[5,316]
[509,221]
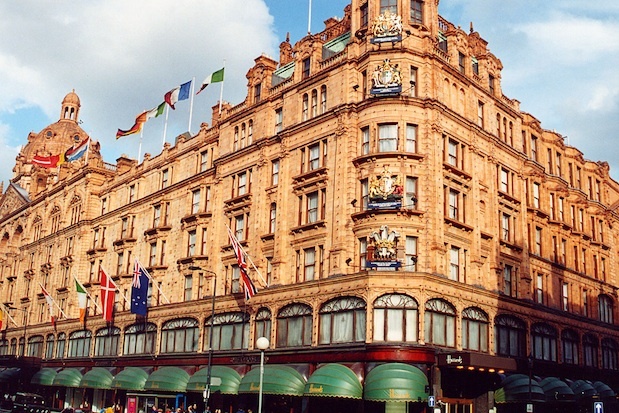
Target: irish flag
[82,300]
[214,77]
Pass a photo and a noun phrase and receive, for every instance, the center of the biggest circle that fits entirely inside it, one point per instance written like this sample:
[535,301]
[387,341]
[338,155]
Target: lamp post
[207,388]
[262,343]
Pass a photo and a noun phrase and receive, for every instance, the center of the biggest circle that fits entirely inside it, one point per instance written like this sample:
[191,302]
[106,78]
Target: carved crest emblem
[386,186]
[384,243]
[387,24]
[386,75]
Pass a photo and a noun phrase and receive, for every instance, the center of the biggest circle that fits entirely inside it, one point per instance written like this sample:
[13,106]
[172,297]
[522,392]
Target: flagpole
[87,150]
[247,255]
[309,18]
[140,145]
[221,90]
[54,301]
[152,280]
[193,82]
[165,125]
[6,311]
[115,285]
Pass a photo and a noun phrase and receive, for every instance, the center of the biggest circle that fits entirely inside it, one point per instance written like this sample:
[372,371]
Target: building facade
[401,216]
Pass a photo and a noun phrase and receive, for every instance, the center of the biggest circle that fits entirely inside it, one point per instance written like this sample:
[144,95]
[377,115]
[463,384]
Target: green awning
[276,380]
[583,389]
[396,382]
[555,389]
[230,380]
[44,377]
[68,378]
[515,388]
[9,374]
[97,378]
[130,378]
[603,389]
[334,380]
[168,378]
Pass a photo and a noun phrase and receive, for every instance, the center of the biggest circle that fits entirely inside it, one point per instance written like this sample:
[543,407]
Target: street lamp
[25,325]
[262,343]
[207,387]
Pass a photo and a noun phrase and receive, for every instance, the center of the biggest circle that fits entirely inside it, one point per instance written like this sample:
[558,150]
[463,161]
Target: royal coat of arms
[385,191]
[386,78]
[387,27]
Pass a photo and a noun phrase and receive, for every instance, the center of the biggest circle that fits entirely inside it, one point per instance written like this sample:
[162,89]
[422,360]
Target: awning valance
[396,382]
[130,378]
[168,378]
[230,380]
[556,389]
[276,380]
[44,377]
[334,380]
[69,377]
[517,387]
[603,389]
[9,374]
[97,378]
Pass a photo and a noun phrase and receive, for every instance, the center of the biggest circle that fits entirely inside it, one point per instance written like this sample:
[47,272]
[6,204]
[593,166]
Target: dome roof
[71,99]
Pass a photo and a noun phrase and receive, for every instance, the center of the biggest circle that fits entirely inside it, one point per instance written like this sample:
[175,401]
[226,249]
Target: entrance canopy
[168,378]
[97,378]
[396,382]
[44,377]
[130,378]
[230,380]
[517,388]
[69,377]
[334,380]
[276,380]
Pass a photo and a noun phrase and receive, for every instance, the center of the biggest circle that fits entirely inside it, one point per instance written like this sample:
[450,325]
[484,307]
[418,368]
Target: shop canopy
[130,378]
[276,380]
[583,389]
[9,374]
[556,390]
[519,388]
[604,390]
[97,378]
[230,380]
[334,380]
[44,377]
[173,379]
[69,377]
[396,382]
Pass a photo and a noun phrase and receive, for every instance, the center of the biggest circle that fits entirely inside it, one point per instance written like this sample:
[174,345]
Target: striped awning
[230,380]
[130,378]
[276,380]
[396,382]
[334,380]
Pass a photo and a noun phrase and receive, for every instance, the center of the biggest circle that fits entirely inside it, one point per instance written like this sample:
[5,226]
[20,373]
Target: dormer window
[306,68]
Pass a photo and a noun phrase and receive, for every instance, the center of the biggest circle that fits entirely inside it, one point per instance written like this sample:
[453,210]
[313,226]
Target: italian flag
[82,300]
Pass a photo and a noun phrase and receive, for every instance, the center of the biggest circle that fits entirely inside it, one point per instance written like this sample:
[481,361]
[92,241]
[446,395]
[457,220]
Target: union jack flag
[248,286]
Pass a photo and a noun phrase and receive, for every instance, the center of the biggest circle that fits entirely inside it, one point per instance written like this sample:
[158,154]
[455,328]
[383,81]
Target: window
[273,218]
[605,309]
[241,183]
[411,254]
[456,203]
[454,154]
[262,324]
[61,345]
[156,216]
[342,320]
[538,241]
[188,288]
[491,84]
[180,336]
[480,114]
[275,172]
[508,280]
[235,144]
[510,337]
[55,219]
[323,99]
[565,296]
[410,190]
[440,323]
[454,263]
[534,148]
[506,233]
[305,71]
[609,354]
[257,92]
[389,5]
[590,350]
[140,339]
[314,103]
[365,140]
[76,209]
[396,318]
[474,330]
[363,15]
[230,331]
[243,135]
[132,193]
[191,243]
[570,341]
[203,161]
[106,341]
[305,107]
[413,80]
[240,227]
[411,138]
[461,62]
[165,176]
[35,347]
[539,289]
[536,195]
[104,202]
[543,342]
[195,201]
[79,344]
[314,156]
[294,326]
[388,137]
[475,65]
[416,12]
[363,250]
[312,207]
[207,202]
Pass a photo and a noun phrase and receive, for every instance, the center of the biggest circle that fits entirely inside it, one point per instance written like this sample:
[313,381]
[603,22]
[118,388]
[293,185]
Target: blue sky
[559,58]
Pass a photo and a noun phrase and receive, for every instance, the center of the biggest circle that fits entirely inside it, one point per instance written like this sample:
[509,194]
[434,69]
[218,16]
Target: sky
[559,60]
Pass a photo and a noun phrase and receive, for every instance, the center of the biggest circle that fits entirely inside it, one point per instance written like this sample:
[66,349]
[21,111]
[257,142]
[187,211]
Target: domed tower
[52,142]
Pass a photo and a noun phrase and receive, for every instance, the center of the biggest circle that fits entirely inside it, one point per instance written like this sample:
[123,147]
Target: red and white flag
[248,286]
[108,295]
[50,305]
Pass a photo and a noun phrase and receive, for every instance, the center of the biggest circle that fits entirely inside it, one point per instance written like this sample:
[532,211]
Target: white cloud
[7,156]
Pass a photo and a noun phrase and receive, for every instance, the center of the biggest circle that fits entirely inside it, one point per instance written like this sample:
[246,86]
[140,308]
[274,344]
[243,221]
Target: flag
[178,93]
[50,305]
[74,153]
[137,126]
[108,295]
[1,318]
[154,112]
[82,300]
[47,161]
[214,77]
[248,285]
[139,290]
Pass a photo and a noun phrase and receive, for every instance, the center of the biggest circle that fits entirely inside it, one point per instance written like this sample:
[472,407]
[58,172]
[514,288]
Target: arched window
[37,228]
[294,326]
[76,209]
[314,103]
[61,344]
[230,331]
[13,348]
[396,318]
[4,347]
[609,354]
[342,320]
[474,330]
[35,347]
[49,346]
[440,323]
[140,339]
[55,217]
[243,135]
[236,138]
[510,336]
[262,324]
[107,341]
[543,342]
[570,341]
[605,308]
[590,350]
[79,343]
[323,99]
[250,132]
[180,336]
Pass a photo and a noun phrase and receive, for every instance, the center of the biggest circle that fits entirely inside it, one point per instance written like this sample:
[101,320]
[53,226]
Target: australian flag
[139,290]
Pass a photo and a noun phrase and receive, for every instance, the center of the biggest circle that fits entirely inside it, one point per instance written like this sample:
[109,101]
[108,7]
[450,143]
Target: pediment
[12,200]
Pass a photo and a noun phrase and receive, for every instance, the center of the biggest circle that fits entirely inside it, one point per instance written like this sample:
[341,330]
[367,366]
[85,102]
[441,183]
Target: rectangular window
[132,193]
[585,303]
[416,12]
[306,68]
[163,253]
[119,263]
[156,215]
[309,263]
[203,161]
[388,137]
[461,62]
[152,256]
[538,241]
[411,138]
[410,189]
[314,156]
[454,264]
[508,273]
[207,202]
[565,296]
[195,201]
[365,140]
[312,207]
[505,227]
[104,206]
[191,243]
[257,92]
[305,107]
[273,218]
[536,188]
[539,289]
[165,176]
[323,99]
[275,172]
[491,84]
[389,5]
[314,103]
[480,114]
[204,241]
[413,81]
[475,65]
[188,287]
[504,181]
[279,120]
[363,9]
[452,211]
[239,227]
[534,148]
[411,254]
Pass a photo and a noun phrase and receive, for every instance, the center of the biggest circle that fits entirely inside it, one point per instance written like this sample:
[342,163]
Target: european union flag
[139,290]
